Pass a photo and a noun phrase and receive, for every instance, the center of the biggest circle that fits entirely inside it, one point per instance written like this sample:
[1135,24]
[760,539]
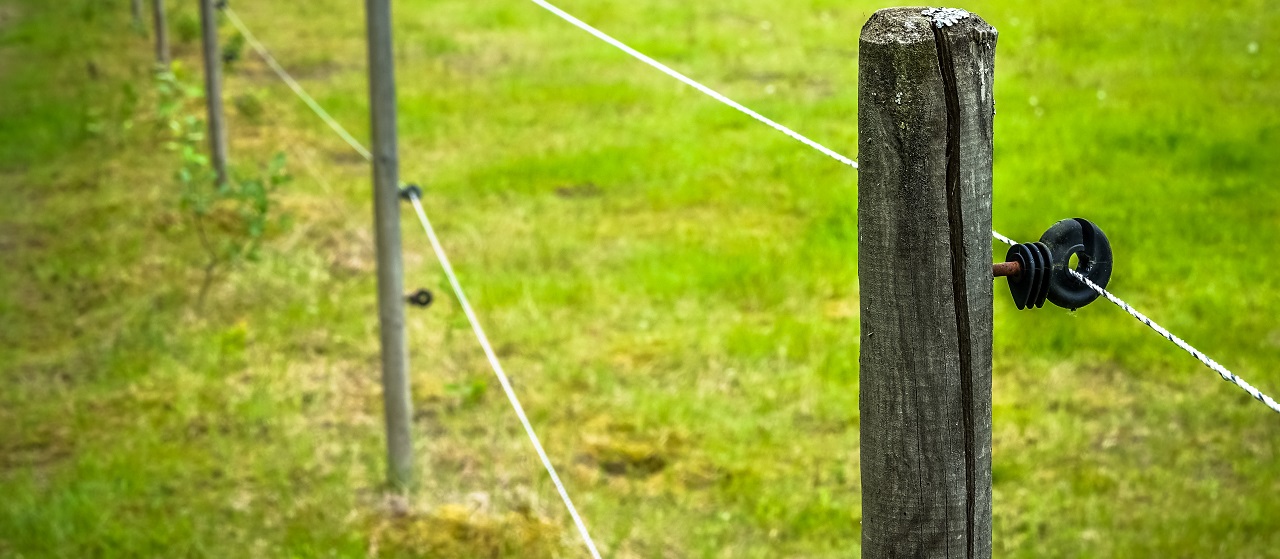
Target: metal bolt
[1006,269]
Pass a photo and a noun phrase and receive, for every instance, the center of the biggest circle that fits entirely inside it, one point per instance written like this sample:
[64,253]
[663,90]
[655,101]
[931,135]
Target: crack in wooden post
[955,217]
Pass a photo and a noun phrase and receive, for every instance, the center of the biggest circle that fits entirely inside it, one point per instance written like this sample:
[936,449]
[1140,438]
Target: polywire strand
[1213,365]
[293,84]
[692,83]
[355,144]
[707,90]
[453,281]
[1226,374]
[497,369]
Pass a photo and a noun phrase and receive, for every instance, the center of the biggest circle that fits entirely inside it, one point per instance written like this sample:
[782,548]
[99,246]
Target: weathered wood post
[386,202]
[925,112]
[162,35]
[213,89]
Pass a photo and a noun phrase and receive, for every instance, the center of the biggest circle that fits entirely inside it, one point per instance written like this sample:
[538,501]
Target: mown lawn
[672,286]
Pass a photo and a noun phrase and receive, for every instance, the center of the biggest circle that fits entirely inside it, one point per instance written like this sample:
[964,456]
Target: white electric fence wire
[694,84]
[1002,238]
[453,281]
[1226,374]
[1208,362]
[293,84]
[497,369]
[707,90]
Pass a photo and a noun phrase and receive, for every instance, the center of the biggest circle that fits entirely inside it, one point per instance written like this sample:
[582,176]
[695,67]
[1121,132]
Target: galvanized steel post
[213,89]
[386,202]
[162,35]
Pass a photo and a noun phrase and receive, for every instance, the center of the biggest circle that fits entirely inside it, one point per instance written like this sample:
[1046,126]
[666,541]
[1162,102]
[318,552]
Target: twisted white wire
[1226,374]
[694,84]
[710,92]
[293,84]
[1208,362]
[497,370]
[453,281]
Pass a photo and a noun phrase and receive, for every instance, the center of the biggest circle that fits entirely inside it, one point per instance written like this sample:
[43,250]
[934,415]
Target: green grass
[672,287]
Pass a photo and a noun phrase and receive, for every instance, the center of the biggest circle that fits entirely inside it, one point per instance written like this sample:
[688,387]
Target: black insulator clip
[420,298]
[1042,268]
[410,192]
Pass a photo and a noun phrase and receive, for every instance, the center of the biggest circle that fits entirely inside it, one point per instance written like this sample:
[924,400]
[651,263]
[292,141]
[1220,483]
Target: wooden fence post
[386,202]
[162,35]
[213,89]
[925,112]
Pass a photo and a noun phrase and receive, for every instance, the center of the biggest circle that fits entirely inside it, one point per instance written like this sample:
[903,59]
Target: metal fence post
[925,111]
[386,201]
[162,35]
[213,89]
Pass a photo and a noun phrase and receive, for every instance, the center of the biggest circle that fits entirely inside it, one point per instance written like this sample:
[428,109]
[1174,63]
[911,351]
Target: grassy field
[672,286]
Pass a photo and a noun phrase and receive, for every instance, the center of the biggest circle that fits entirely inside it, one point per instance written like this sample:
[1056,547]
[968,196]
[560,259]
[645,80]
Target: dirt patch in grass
[584,190]
[626,457]
[350,252]
[459,531]
[15,238]
[36,448]
[622,449]
[8,15]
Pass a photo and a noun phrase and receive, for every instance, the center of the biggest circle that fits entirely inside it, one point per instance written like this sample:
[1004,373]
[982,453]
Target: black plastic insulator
[420,298]
[410,192]
[1084,240]
[1044,266]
